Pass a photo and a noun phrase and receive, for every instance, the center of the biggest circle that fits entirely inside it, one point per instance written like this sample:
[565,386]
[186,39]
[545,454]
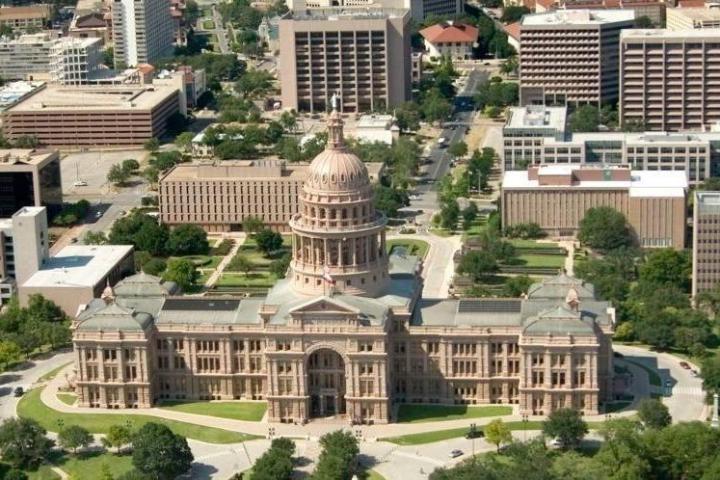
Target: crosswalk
[692,391]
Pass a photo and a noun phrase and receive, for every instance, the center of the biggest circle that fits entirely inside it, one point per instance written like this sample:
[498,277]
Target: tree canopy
[160,453]
[23,442]
[604,229]
[566,425]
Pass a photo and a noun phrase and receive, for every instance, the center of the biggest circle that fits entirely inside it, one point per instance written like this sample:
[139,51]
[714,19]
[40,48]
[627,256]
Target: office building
[706,242]
[419,9]
[652,9]
[681,19]
[23,248]
[143,31]
[29,178]
[346,334]
[450,39]
[26,57]
[362,55]
[538,136]
[219,196]
[75,61]
[35,17]
[556,197]
[670,81]
[111,115]
[571,57]
[77,274]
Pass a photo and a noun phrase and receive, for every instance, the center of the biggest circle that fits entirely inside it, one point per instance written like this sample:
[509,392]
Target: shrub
[155,266]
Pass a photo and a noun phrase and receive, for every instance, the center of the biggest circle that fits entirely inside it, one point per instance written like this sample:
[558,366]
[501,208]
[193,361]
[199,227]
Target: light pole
[715,422]
[473,434]
[524,422]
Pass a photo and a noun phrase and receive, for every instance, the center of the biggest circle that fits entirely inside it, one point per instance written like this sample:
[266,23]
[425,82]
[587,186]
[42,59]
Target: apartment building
[706,241]
[29,178]
[34,17]
[143,31]
[556,197]
[360,54]
[538,136]
[75,61]
[571,56]
[670,80]
[681,19]
[79,116]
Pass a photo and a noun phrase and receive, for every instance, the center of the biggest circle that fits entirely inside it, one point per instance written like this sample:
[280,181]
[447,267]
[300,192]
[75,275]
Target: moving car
[19,391]
[456,453]
[685,365]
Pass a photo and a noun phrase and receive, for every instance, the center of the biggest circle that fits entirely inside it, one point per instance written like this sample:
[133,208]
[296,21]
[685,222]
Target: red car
[685,365]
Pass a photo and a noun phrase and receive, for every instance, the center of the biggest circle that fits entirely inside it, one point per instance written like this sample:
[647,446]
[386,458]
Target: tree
[566,425]
[188,240]
[653,413]
[435,107]
[338,458]
[9,352]
[710,373]
[142,231]
[449,215]
[23,443]
[160,453]
[130,165]
[254,84]
[184,140]
[154,266]
[407,116]
[498,433]
[268,241]
[513,13]
[117,437]
[151,144]
[644,21]
[604,229]
[517,286]
[118,175]
[667,266]
[276,463]
[252,224]
[585,119]
[241,263]
[389,200]
[280,266]
[288,120]
[477,264]
[95,238]
[182,272]
[74,437]
[458,149]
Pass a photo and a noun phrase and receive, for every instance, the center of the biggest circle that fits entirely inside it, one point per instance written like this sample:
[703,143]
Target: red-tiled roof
[445,32]
[513,30]
[691,3]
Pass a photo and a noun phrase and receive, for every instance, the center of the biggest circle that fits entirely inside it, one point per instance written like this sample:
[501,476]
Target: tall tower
[338,237]
[143,31]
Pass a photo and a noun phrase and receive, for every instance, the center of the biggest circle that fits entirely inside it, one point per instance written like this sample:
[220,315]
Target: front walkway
[215,276]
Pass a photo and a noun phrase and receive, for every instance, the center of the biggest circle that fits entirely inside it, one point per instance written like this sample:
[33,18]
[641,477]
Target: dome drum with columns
[338,236]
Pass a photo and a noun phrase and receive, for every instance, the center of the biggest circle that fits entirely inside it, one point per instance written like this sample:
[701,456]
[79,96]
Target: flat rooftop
[346,13]
[697,13]
[537,117]
[94,98]
[374,121]
[236,169]
[26,156]
[578,17]
[641,34]
[29,11]
[78,266]
[707,203]
[642,183]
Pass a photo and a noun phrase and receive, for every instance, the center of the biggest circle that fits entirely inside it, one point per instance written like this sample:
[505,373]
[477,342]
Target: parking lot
[92,168]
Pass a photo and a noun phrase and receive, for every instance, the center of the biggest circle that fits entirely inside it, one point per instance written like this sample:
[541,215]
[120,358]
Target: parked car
[19,391]
[694,373]
[556,443]
[668,384]
[456,453]
[685,365]
[80,183]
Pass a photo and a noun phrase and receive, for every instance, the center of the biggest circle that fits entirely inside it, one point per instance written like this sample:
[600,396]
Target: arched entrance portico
[326,383]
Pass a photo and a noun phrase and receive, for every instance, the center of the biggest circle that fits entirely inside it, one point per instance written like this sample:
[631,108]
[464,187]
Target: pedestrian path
[215,276]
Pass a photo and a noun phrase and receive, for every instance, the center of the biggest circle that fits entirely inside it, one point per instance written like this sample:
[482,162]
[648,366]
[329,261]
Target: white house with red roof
[450,38]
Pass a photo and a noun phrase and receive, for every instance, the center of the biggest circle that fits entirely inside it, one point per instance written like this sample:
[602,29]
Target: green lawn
[544,261]
[439,435]
[203,261]
[208,25]
[412,247]
[257,279]
[31,406]
[250,411]
[89,465]
[42,473]
[373,475]
[68,398]
[53,373]
[519,243]
[437,413]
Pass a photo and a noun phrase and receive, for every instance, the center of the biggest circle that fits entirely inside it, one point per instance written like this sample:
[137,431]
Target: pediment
[324,305]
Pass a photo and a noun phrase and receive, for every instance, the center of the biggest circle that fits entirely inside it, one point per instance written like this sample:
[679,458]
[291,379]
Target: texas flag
[327,277]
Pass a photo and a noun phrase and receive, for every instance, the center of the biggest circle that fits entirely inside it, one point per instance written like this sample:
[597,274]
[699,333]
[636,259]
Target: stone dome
[335,168]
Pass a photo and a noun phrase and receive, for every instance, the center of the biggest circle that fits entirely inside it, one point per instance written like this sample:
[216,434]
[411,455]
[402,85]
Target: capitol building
[347,334]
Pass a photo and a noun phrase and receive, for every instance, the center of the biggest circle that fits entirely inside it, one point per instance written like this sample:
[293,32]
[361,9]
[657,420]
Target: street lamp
[715,422]
[524,422]
[473,434]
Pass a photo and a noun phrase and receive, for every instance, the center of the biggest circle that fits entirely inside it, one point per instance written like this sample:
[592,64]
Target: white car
[456,453]
[98,214]
[556,443]
[80,183]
